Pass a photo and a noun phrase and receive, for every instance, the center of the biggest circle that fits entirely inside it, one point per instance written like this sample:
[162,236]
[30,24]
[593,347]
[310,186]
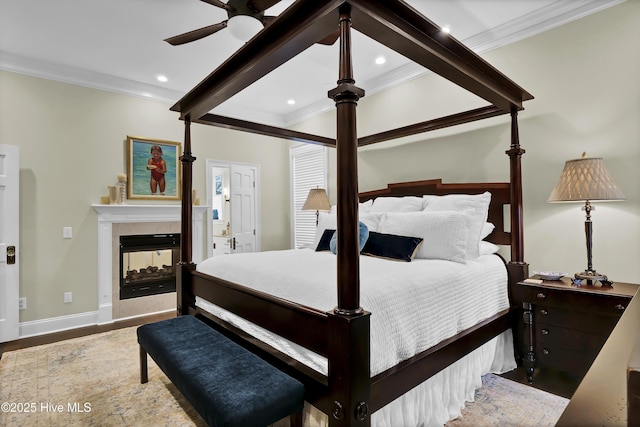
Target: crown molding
[528,25]
[541,20]
[95,80]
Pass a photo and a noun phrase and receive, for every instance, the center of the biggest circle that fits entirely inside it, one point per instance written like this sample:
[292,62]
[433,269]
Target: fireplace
[147,264]
[115,221]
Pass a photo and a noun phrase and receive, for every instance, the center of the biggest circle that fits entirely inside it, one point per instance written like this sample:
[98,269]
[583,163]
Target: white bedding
[414,305]
[429,309]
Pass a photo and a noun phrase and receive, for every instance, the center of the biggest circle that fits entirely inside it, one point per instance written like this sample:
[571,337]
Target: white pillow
[397,204]
[444,234]
[478,203]
[364,207]
[487,228]
[329,221]
[488,248]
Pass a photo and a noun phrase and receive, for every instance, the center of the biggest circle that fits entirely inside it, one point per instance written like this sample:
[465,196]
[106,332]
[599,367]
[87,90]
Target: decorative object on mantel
[586,180]
[153,169]
[122,188]
[113,194]
[317,200]
[196,201]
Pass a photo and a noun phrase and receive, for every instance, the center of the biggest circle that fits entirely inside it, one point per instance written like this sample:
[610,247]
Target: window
[308,165]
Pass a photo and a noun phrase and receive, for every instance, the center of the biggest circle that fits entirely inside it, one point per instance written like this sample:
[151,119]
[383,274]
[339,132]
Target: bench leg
[144,378]
[295,420]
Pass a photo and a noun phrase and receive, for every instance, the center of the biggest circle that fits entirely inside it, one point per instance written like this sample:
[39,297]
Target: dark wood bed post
[186,236]
[349,328]
[346,96]
[518,269]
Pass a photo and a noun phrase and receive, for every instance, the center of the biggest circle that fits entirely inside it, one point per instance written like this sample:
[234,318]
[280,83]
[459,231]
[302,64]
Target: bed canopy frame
[348,394]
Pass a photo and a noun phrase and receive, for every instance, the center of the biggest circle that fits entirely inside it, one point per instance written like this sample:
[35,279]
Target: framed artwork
[153,169]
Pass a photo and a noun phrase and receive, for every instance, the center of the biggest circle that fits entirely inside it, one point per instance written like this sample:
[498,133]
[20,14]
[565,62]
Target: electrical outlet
[67,232]
[68,297]
[22,303]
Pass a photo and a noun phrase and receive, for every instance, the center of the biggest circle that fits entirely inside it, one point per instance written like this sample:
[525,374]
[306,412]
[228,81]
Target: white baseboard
[171,310]
[57,324]
[73,321]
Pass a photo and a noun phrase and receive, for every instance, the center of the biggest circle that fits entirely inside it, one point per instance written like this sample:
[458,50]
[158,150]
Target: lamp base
[592,276]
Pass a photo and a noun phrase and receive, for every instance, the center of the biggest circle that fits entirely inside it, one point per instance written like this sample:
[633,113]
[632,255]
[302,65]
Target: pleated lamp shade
[583,179]
[317,200]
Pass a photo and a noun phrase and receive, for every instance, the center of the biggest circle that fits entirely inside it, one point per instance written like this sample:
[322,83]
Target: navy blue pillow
[364,235]
[323,244]
[391,246]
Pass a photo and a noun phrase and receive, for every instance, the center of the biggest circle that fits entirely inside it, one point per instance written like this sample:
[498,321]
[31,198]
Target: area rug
[502,402]
[95,381]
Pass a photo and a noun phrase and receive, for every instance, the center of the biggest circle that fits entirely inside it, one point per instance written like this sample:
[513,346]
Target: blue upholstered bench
[227,384]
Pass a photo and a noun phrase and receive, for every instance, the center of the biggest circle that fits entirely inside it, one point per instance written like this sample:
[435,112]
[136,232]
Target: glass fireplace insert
[147,264]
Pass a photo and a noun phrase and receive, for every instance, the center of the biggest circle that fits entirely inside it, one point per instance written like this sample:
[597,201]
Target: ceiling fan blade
[196,34]
[218,3]
[330,39]
[261,5]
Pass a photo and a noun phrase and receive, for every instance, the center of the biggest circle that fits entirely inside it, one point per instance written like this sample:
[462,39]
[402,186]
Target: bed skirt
[442,397]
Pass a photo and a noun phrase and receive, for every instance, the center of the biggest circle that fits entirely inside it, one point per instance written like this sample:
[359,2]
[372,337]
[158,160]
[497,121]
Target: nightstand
[564,326]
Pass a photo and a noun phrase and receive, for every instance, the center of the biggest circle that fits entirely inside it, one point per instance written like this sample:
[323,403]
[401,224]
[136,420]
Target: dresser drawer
[600,324]
[556,336]
[578,301]
[564,359]
[566,325]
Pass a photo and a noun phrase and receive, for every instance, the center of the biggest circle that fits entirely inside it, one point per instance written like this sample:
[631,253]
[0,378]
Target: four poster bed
[332,342]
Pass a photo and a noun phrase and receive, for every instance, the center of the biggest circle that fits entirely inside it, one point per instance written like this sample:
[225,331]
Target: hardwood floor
[80,332]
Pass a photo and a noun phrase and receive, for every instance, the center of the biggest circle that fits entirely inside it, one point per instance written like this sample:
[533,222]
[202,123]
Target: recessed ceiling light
[446,30]
[162,78]
[380,60]
[291,101]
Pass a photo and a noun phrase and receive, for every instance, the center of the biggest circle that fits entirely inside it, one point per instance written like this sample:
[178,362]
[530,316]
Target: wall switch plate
[22,303]
[68,297]
[67,232]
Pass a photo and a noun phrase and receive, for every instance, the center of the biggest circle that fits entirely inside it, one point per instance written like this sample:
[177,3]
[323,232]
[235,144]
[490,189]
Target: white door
[9,204]
[243,200]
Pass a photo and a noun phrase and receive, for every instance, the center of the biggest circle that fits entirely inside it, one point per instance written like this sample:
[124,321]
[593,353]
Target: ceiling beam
[266,130]
[430,125]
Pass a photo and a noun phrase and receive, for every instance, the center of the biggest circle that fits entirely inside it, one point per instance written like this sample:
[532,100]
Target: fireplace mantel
[142,213]
[116,214]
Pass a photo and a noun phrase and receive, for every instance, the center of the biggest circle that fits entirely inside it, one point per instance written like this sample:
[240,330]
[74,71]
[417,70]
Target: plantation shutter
[308,170]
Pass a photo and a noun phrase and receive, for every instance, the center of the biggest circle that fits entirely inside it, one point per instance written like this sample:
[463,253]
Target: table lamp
[317,200]
[585,180]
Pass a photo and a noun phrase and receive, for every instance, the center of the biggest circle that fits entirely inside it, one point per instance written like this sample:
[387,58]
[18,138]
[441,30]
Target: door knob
[11,254]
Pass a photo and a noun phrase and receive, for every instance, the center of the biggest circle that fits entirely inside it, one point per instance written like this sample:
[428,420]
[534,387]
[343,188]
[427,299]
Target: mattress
[414,305]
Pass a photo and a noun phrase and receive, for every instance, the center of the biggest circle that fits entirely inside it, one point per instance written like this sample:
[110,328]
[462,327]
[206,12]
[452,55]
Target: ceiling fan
[250,10]
[245,19]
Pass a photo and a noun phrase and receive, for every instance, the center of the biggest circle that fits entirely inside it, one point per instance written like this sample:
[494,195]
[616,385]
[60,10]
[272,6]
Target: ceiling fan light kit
[244,27]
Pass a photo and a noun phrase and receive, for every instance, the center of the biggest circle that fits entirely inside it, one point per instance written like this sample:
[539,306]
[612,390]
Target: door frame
[10,292]
[210,165]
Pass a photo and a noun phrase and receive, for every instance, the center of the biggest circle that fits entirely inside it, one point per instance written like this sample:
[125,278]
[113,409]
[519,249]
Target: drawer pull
[620,307]
[544,312]
[545,332]
[541,295]
[545,351]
